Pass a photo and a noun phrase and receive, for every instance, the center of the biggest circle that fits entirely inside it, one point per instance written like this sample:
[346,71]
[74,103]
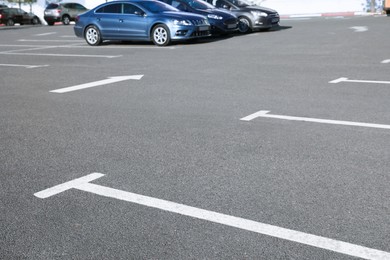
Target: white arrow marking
[358,81]
[264,113]
[25,66]
[386,61]
[110,80]
[212,216]
[359,28]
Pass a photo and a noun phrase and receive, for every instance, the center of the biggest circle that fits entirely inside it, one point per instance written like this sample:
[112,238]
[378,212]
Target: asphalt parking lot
[271,145]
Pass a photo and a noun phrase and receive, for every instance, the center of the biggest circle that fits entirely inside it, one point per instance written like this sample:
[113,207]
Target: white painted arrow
[264,113]
[358,81]
[359,28]
[110,80]
[215,217]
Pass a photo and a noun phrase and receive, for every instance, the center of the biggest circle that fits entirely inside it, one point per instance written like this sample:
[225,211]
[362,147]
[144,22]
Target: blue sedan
[143,20]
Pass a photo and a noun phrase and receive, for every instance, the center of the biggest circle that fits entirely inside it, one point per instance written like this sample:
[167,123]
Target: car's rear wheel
[244,25]
[92,35]
[66,20]
[10,22]
[160,35]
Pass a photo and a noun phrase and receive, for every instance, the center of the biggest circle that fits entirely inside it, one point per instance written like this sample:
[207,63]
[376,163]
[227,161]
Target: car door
[133,22]
[108,19]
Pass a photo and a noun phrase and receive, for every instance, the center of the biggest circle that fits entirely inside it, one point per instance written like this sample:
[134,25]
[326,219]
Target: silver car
[63,12]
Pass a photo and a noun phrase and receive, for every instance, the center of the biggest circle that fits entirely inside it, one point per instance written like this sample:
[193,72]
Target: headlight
[182,22]
[258,13]
[214,16]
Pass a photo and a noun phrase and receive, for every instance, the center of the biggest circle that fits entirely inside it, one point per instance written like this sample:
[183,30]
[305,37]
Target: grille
[199,22]
[230,21]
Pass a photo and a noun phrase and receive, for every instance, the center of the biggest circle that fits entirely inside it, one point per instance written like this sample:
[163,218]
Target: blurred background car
[12,16]
[251,17]
[139,20]
[221,21]
[62,12]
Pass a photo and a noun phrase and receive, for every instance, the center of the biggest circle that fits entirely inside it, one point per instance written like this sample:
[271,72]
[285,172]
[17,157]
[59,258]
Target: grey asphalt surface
[176,135]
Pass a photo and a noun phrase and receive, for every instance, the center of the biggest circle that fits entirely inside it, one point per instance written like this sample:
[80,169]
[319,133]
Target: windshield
[157,7]
[240,3]
[198,4]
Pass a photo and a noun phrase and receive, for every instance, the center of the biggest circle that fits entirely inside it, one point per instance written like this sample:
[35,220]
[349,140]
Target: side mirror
[139,13]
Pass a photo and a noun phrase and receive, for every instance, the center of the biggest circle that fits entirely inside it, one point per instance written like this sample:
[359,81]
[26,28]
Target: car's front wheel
[92,35]
[244,25]
[35,20]
[160,35]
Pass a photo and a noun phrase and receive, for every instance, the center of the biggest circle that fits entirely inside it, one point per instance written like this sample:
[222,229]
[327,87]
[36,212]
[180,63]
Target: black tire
[10,22]
[161,35]
[65,20]
[35,21]
[92,35]
[244,25]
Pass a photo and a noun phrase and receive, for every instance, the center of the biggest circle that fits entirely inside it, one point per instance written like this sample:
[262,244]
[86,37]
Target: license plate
[231,26]
[203,28]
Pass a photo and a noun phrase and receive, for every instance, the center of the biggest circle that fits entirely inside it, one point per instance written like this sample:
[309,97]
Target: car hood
[184,15]
[217,11]
[259,8]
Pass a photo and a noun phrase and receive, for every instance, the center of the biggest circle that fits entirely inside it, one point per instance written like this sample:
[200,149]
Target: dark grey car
[251,17]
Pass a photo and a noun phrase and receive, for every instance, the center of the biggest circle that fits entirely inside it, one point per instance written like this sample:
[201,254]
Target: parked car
[3,6]
[144,20]
[11,16]
[62,12]
[221,21]
[251,17]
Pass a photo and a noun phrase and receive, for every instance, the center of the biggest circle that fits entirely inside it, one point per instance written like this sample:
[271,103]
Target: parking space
[269,145]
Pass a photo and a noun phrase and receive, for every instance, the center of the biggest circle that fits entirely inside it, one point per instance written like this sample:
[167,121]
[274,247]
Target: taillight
[59,11]
[77,18]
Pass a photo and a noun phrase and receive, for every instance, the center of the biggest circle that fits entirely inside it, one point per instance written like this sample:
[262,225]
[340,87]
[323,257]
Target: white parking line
[110,80]
[25,66]
[339,80]
[215,217]
[44,34]
[385,61]
[61,55]
[264,113]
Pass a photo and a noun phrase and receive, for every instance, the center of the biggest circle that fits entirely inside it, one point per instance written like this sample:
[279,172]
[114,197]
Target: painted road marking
[264,113]
[25,66]
[61,55]
[339,80]
[386,61]
[359,28]
[212,216]
[44,34]
[110,80]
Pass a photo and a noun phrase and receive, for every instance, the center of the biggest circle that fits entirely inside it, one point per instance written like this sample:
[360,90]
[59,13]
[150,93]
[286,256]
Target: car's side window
[112,9]
[131,9]
[78,7]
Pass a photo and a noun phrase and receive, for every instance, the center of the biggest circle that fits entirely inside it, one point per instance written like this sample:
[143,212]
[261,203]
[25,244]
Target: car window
[52,6]
[110,8]
[79,7]
[131,9]
[157,7]
[199,4]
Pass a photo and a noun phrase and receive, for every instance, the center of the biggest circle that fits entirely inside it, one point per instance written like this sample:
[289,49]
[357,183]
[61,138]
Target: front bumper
[266,22]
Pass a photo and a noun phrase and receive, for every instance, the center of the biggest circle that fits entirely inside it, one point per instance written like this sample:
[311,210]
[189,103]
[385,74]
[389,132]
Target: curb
[337,14]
